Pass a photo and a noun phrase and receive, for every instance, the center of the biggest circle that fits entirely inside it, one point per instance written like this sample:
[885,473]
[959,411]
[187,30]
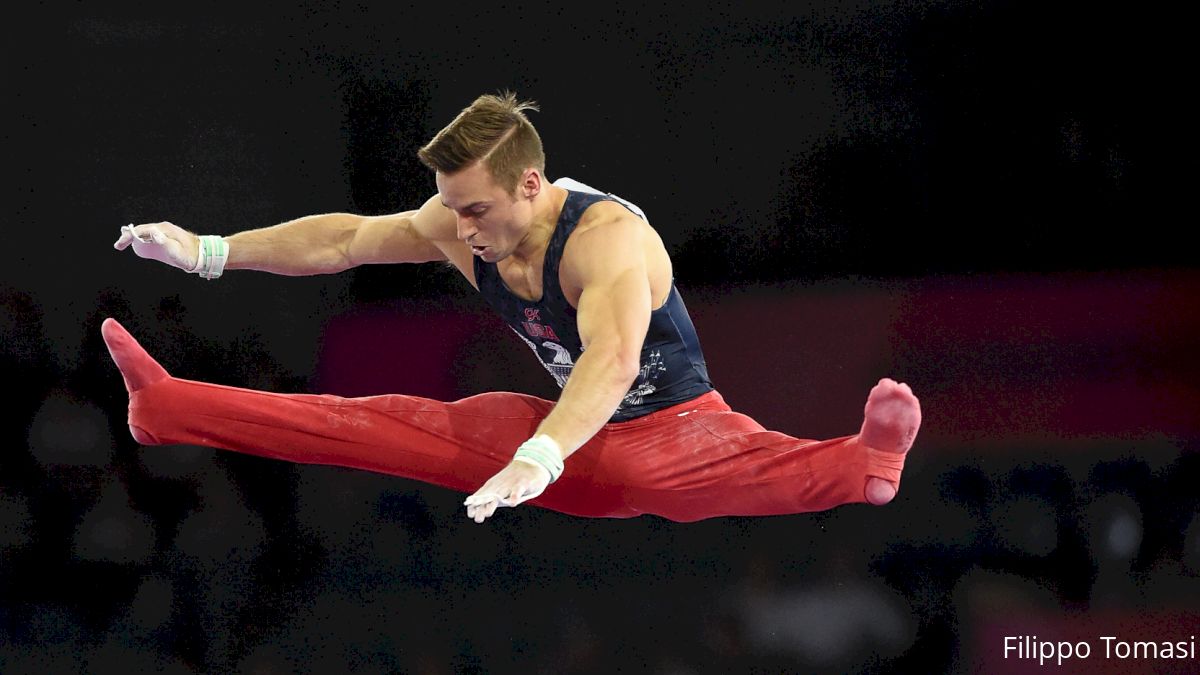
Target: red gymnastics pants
[688,462]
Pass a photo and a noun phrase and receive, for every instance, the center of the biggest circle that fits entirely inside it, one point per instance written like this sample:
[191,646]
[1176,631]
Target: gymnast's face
[491,220]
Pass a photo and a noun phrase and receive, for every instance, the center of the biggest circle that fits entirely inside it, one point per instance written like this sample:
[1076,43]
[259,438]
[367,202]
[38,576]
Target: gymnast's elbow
[622,365]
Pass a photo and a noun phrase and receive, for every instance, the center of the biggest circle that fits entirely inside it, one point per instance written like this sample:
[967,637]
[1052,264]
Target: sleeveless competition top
[673,369]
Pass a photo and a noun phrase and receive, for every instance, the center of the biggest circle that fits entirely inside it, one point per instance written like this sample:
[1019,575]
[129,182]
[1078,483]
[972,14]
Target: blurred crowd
[120,558]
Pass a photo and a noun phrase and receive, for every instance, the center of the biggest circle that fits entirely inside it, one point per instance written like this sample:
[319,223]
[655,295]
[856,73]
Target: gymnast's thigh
[496,419]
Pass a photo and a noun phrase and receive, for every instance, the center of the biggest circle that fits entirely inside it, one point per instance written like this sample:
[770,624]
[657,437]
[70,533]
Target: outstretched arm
[613,317]
[609,263]
[320,244]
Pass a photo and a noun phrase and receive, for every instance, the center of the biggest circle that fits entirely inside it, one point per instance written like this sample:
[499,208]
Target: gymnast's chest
[522,280]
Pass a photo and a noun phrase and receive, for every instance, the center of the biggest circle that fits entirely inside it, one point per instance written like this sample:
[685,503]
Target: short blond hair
[493,129]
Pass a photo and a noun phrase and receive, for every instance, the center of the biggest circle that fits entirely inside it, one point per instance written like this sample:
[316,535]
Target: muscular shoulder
[606,228]
[609,237]
[434,222]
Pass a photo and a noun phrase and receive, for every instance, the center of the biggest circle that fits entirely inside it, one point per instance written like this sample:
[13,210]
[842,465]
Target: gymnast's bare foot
[136,366]
[890,422]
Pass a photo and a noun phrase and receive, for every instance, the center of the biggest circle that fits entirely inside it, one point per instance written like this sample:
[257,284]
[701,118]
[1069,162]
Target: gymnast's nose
[467,227]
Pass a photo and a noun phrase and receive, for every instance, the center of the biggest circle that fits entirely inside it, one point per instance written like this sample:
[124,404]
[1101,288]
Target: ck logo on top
[533,327]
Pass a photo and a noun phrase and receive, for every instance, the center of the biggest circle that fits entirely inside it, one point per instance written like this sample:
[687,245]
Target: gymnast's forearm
[598,383]
[318,244]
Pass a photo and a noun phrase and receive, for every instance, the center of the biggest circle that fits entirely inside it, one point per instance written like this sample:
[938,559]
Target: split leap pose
[585,281]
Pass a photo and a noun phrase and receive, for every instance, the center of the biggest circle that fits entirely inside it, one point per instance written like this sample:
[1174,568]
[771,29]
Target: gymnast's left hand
[518,482]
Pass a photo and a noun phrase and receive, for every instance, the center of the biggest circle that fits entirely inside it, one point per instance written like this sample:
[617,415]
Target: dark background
[967,196]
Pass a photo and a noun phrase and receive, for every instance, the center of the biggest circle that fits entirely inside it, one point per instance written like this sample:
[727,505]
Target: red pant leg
[710,461]
[457,445]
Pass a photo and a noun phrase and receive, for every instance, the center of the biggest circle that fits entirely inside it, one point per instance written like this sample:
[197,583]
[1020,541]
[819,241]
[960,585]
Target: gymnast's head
[489,167]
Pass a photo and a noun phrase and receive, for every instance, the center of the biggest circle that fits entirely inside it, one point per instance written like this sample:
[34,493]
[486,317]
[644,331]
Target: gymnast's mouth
[478,250]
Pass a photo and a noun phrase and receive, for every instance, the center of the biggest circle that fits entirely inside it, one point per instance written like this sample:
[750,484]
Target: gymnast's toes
[136,366]
[891,417]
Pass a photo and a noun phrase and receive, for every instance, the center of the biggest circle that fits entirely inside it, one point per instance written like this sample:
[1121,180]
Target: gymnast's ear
[531,183]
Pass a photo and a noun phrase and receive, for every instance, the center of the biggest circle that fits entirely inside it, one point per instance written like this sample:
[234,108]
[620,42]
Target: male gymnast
[586,282]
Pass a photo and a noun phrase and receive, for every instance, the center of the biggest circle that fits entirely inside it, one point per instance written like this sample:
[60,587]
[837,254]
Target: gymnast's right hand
[163,242]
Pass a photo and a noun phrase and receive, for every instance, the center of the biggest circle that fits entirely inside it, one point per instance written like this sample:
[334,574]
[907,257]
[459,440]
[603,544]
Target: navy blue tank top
[673,369]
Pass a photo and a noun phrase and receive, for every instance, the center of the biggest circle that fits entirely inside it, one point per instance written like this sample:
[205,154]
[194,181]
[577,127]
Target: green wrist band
[543,451]
[210,259]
